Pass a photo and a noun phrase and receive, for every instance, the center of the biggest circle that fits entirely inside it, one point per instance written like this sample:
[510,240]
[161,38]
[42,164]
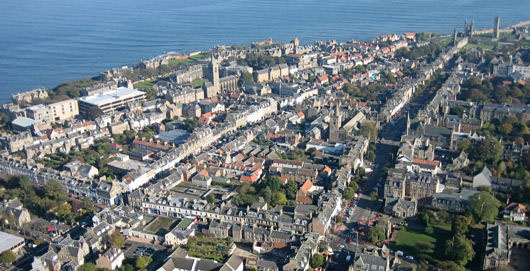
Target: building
[515,212]
[110,259]
[58,111]
[13,209]
[400,207]
[10,242]
[506,247]
[110,100]
[496,27]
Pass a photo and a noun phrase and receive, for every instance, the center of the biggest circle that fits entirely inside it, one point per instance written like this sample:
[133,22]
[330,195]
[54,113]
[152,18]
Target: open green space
[202,246]
[420,245]
[480,45]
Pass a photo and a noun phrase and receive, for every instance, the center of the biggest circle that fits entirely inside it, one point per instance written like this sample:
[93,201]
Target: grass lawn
[420,245]
[483,46]
[186,61]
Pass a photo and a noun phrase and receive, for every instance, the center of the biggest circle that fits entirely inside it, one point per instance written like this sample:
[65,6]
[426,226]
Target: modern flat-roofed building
[110,100]
[10,242]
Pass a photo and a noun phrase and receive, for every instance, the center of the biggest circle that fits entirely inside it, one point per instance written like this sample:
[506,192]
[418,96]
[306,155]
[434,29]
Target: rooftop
[110,96]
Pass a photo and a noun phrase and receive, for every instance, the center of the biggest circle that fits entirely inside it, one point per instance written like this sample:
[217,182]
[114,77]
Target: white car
[409,258]
[341,246]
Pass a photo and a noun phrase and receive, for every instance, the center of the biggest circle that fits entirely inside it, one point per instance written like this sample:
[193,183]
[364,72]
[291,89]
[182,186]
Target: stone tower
[408,123]
[465,29]
[455,36]
[472,28]
[214,69]
[335,123]
[496,27]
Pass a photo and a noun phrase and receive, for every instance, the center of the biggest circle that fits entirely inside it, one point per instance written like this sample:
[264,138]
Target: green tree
[7,257]
[117,239]
[488,150]
[449,266]
[429,230]
[375,235]
[459,249]
[354,185]
[55,190]
[348,193]
[460,225]
[143,262]
[370,156]
[88,205]
[338,219]
[274,183]
[464,145]
[317,261]
[373,196]
[210,198]
[483,207]
[245,77]
[64,212]
[87,267]
[368,130]
[291,189]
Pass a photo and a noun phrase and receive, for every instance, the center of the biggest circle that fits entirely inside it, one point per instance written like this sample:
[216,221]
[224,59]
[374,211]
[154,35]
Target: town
[407,152]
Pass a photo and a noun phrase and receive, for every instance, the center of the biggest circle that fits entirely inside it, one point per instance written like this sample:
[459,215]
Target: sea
[46,42]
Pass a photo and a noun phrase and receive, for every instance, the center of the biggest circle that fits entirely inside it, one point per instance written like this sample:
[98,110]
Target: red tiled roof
[515,207]
[306,186]
[303,199]
[426,162]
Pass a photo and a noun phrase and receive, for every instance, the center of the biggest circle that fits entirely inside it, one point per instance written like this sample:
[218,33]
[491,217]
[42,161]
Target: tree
[210,198]
[506,128]
[449,266]
[317,261]
[245,77]
[484,207]
[338,219]
[375,235]
[64,213]
[368,130]
[373,196]
[88,205]
[354,185]
[7,257]
[274,183]
[143,262]
[348,193]
[464,144]
[87,267]
[460,225]
[291,189]
[488,150]
[429,230]
[370,155]
[117,239]
[55,190]
[459,249]
[94,112]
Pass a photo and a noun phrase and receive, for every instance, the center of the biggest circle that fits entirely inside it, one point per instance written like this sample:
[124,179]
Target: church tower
[408,123]
[335,123]
[214,89]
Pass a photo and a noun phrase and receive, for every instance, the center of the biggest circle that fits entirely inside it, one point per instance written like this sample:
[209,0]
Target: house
[234,263]
[77,167]
[368,262]
[401,208]
[486,178]
[13,209]
[515,212]
[180,233]
[110,259]
[201,180]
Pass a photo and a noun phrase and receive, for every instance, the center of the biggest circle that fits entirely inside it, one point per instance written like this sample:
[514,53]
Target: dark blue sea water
[46,42]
